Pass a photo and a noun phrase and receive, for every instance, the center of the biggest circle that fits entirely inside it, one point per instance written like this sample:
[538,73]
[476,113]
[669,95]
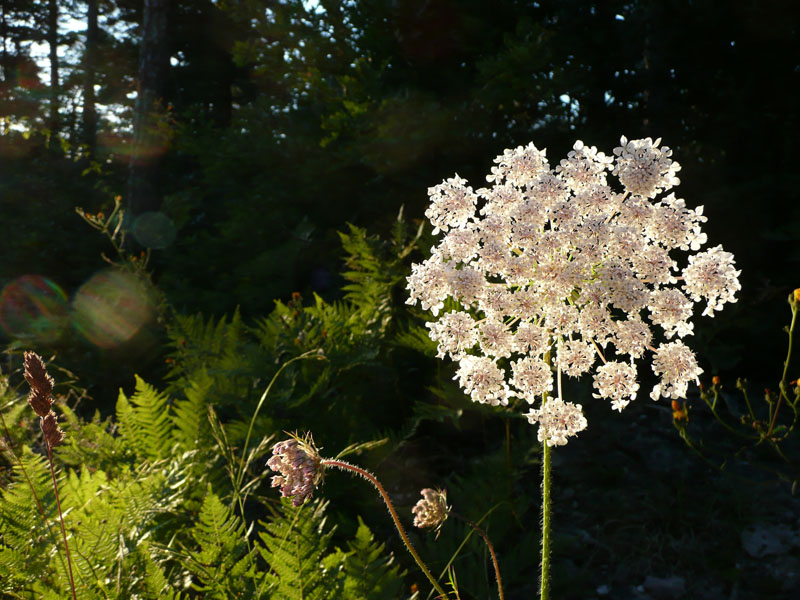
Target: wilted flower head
[564,263]
[298,463]
[432,510]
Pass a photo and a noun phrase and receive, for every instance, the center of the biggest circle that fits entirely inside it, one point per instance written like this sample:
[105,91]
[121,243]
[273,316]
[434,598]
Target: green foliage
[368,573]
[293,547]
[142,422]
[221,564]
[26,535]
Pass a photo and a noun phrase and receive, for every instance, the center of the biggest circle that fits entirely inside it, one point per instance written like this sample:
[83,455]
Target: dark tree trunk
[52,40]
[90,67]
[149,143]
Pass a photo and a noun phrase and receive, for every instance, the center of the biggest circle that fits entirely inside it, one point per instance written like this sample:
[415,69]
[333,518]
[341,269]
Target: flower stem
[782,384]
[61,521]
[340,464]
[545,590]
[485,537]
[546,468]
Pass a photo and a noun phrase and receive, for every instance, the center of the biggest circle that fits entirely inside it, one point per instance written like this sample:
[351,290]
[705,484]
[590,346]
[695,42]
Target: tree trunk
[90,67]
[149,141]
[52,40]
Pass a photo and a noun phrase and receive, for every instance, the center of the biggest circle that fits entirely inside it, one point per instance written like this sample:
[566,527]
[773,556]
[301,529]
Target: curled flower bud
[432,510]
[298,463]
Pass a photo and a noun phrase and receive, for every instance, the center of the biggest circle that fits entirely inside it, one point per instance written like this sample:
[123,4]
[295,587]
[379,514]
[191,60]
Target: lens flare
[154,230]
[33,307]
[112,307]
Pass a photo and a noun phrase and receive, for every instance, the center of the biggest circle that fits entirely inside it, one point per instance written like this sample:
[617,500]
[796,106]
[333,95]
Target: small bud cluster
[432,510]
[558,263]
[299,467]
[40,398]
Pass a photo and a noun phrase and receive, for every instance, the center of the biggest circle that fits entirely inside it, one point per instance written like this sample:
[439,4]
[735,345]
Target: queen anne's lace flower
[455,332]
[452,204]
[532,377]
[644,168]
[575,357]
[432,510]
[677,366]
[299,466]
[558,420]
[711,276]
[560,261]
[483,380]
[617,382]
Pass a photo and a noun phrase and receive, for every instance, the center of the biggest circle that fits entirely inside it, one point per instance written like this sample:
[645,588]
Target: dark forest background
[259,129]
[242,137]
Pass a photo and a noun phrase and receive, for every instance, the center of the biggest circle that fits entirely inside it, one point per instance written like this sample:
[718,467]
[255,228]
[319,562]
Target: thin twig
[61,520]
[485,537]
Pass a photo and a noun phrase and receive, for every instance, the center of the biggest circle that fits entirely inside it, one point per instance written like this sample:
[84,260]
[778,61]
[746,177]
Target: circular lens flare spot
[154,230]
[112,307]
[33,307]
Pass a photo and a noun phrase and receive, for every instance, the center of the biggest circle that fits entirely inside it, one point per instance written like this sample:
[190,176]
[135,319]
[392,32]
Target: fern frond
[293,547]
[28,542]
[219,558]
[369,574]
[143,421]
[189,417]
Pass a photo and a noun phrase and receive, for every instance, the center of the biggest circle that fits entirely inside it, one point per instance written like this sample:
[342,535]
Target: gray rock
[665,588]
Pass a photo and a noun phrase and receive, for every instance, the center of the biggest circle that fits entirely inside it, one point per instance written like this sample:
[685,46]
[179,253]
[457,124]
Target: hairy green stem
[546,467]
[340,464]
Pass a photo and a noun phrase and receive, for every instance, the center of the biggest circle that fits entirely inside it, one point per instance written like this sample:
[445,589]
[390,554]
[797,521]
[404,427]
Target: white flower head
[645,169]
[483,380]
[617,382]
[558,421]
[677,366]
[452,204]
[558,266]
[711,276]
[532,377]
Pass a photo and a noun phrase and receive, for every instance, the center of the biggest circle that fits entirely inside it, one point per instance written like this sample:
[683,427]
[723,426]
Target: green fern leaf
[293,547]
[368,573]
[219,560]
[143,421]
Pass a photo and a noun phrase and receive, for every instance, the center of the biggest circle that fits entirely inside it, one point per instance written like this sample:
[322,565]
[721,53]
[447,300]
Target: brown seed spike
[41,384]
[53,435]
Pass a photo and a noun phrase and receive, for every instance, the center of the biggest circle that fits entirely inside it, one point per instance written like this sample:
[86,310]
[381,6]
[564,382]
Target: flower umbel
[432,510]
[567,261]
[298,463]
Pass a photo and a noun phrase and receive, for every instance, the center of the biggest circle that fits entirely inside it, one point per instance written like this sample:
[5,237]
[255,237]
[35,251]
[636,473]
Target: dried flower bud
[432,511]
[53,435]
[298,463]
[40,397]
[679,411]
